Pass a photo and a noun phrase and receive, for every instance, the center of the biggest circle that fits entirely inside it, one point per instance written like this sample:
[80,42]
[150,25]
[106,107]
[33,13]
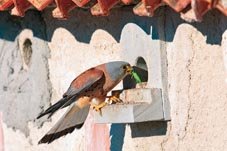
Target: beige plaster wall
[197,92]
[196,78]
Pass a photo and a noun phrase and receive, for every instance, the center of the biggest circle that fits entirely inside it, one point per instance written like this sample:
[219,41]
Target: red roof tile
[192,10]
[63,8]
[20,6]
[40,4]
[5,4]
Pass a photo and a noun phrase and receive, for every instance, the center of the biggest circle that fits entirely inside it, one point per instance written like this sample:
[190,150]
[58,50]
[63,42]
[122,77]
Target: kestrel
[94,83]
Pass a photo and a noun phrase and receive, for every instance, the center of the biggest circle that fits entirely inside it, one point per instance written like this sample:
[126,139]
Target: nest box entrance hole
[141,69]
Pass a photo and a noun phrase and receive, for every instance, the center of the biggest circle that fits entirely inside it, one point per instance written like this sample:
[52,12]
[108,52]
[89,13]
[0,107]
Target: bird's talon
[113,99]
[98,108]
[109,101]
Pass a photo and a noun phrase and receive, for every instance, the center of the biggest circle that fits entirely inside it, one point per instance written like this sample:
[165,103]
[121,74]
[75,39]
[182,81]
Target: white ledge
[139,105]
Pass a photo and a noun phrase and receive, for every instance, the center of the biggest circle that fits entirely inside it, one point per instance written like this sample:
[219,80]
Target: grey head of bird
[118,69]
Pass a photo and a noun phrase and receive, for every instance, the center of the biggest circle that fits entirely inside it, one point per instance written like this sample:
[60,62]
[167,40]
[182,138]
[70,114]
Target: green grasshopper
[136,77]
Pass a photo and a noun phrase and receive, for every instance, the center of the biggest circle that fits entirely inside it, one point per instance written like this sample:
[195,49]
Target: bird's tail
[52,109]
[73,118]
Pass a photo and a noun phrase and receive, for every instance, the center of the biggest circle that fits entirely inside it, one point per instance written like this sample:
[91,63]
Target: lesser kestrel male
[95,83]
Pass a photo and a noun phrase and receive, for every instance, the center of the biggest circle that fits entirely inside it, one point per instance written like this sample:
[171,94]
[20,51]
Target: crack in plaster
[165,140]
[188,67]
[50,90]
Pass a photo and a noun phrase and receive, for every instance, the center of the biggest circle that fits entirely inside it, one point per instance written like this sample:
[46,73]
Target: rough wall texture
[196,76]
[197,89]
[24,81]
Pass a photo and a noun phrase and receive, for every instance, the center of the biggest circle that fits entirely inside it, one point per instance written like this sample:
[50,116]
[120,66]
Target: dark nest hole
[141,69]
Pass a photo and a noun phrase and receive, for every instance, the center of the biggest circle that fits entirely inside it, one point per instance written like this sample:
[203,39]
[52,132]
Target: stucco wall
[24,82]
[197,86]
[196,77]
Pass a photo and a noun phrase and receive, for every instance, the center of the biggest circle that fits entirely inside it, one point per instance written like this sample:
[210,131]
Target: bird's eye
[124,67]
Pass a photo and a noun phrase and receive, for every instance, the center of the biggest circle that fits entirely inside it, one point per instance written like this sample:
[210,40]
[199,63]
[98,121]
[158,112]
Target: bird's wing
[86,81]
[73,118]
[79,85]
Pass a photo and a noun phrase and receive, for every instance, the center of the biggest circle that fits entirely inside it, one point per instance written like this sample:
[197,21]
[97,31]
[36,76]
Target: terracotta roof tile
[63,8]
[40,4]
[5,4]
[191,10]
[20,6]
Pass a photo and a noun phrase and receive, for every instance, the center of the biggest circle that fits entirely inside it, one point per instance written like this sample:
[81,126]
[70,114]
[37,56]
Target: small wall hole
[27,51]
[141,69]
[141,63]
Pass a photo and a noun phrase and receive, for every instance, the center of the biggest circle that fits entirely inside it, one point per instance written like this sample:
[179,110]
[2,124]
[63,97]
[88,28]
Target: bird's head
[118,69]
[127,69]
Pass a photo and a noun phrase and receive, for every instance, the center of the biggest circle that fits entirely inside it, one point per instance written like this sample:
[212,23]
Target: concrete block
[138,105]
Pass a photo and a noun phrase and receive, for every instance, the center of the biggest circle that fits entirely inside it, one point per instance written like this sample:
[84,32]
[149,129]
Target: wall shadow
[117,134]
[82,24]
[147,129]
[142,129]
[213,25]
[11,26]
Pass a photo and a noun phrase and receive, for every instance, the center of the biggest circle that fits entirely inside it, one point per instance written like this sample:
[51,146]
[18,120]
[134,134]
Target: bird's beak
[129,69]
